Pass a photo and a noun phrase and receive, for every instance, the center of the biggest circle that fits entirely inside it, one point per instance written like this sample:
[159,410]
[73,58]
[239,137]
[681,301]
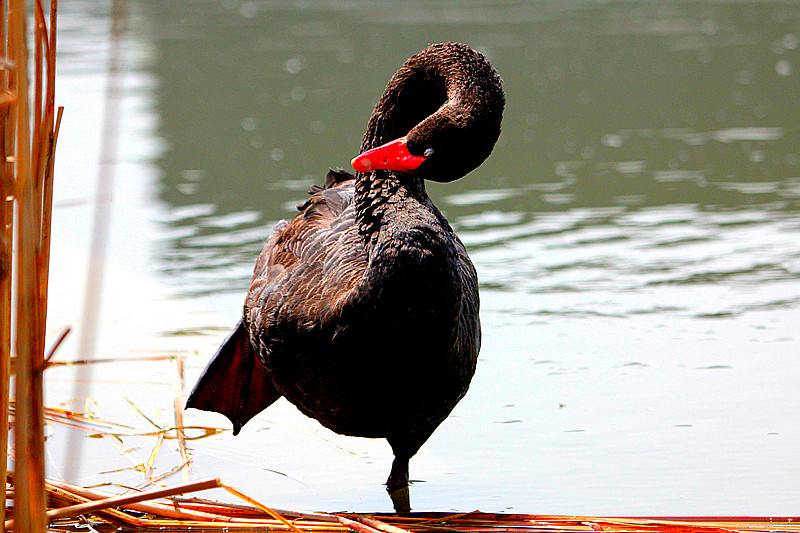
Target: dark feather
[234,383]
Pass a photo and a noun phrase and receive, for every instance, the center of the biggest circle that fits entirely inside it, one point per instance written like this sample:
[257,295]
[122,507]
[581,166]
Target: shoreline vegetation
[29,124]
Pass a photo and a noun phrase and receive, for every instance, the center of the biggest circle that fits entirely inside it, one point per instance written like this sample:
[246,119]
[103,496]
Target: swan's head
[444,147]
[440,113]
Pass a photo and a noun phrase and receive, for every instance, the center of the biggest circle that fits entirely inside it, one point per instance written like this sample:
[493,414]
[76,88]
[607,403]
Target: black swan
[363,310]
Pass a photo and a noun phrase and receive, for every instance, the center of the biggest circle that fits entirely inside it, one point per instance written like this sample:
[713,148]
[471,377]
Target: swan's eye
[428,152]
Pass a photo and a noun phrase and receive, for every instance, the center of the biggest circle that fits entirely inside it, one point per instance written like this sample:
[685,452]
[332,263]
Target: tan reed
[27,183]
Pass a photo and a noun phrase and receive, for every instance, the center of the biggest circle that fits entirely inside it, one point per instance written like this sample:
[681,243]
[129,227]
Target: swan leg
[398,477]
[404,447]
[397,485]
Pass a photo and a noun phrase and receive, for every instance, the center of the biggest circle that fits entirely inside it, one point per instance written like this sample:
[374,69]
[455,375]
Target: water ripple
[648,262]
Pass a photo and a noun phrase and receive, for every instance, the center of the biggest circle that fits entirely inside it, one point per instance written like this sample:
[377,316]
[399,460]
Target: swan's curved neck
[444,79]
[445,88]
[380,196]
[414,93]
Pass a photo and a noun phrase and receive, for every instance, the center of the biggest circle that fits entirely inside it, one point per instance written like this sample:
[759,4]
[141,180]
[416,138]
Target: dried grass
[137,511]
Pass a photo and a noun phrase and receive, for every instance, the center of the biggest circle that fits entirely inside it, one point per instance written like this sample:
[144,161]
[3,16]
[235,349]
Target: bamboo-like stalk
[27,178]
[119,501]
[6,237]
[50,125]
[29,501]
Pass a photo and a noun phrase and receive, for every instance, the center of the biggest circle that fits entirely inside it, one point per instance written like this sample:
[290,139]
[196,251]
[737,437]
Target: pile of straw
[140,511]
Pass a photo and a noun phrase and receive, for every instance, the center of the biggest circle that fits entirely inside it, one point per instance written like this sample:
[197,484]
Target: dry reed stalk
[157,479]
[6,237]
[29,503]
[52,351]
[261,506]
[172,517]
[58,496]
[44,146]
[43,255]
[79,495]
[360,527]
[127,499]
[178,409]
[27,178]
[380,525]
[81,362]
[148,466]
[212,516]
[177,515]
[245,525]
[76,420]
[237,509]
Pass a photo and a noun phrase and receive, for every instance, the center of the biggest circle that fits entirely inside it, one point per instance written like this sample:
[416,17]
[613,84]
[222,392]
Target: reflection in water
[636,234]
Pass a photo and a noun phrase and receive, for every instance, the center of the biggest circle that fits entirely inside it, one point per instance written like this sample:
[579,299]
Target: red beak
[393,155]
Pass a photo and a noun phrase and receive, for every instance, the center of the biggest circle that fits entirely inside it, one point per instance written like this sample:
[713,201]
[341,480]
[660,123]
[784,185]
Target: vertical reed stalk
[6,236]
[29,495]
[48,160]
[28,180]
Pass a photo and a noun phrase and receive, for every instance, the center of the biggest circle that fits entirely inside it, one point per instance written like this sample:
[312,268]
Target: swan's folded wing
[308,267]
